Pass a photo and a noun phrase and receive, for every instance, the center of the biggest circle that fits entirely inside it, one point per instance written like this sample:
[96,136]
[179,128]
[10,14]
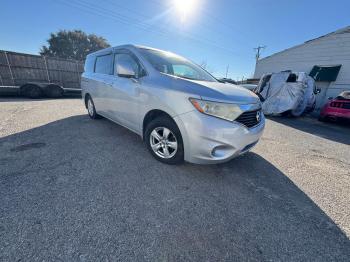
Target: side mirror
[330,98]
[125,69]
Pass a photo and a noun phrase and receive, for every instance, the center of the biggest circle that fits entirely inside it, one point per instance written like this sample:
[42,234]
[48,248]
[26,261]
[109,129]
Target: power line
[170,9]
[219,21]
[100,11]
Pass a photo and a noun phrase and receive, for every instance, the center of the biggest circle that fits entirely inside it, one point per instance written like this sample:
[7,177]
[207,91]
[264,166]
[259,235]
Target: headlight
[222,110]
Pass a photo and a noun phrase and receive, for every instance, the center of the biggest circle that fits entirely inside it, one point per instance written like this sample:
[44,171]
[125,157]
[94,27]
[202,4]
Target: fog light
[222,151]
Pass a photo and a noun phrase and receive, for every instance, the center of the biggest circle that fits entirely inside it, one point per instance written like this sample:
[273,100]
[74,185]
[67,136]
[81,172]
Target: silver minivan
[179,110]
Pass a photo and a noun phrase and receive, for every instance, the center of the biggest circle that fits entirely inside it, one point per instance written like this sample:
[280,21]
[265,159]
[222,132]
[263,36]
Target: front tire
[164,141]
[322,118]
[91,108]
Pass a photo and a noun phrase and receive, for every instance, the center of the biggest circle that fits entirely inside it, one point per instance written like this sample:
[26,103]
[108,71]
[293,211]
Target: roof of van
[109,49]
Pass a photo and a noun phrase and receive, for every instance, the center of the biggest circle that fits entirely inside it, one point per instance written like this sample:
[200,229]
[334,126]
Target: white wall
[333,49]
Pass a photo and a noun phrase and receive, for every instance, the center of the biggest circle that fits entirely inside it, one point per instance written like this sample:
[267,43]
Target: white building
[327,58]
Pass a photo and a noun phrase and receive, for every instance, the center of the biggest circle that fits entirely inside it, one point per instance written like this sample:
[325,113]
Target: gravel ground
[75,189]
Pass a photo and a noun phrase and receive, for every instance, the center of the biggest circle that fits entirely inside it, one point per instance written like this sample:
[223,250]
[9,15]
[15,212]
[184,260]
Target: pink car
[337,108]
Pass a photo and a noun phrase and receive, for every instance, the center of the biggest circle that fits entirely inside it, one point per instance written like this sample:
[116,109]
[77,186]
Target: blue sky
[221,32]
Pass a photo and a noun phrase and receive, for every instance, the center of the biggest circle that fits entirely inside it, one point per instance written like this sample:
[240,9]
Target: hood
[216,91]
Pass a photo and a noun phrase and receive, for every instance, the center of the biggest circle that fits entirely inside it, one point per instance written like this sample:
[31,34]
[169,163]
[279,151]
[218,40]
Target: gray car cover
[281,93]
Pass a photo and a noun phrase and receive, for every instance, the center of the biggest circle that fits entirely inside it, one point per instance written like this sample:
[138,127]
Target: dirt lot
[75,189]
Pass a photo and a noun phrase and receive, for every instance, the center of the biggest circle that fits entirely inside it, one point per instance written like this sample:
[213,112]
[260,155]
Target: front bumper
[210,140]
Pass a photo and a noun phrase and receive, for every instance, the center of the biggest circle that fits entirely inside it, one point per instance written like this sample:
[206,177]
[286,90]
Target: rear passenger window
[104,64]
[89,64]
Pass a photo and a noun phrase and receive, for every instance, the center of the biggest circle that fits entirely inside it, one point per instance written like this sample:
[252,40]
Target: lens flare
[185,8]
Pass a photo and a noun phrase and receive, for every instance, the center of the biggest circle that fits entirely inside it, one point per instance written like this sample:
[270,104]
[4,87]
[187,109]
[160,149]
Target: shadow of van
[93,186]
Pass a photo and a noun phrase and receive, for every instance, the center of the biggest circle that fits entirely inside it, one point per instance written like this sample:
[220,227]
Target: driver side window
[126,59]
[184,71]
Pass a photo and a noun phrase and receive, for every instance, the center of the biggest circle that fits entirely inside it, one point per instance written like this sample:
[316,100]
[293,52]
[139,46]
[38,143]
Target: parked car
[250,87]
[227,80]
[180,110]
[337,108]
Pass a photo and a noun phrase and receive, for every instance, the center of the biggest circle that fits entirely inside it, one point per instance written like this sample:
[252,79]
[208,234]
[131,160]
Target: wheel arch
[151,115]
[86,96]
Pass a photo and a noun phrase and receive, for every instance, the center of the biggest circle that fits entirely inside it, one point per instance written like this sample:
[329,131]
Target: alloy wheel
[90,106]
[163,142]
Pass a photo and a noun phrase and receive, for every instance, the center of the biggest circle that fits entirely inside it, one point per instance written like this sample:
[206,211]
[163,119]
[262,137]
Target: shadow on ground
[335,131]
[79,189]
[18,98]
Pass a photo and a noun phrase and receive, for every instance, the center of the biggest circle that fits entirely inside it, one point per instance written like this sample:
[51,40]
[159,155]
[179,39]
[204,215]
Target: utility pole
[227,67]
[258,51]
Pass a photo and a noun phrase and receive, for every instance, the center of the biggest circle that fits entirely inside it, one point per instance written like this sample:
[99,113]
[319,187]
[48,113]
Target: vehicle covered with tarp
[287,92]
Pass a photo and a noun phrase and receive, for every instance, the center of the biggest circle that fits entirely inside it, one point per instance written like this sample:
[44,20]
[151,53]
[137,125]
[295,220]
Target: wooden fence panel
[30,74]
[5,75]
[3,60]
[30,61]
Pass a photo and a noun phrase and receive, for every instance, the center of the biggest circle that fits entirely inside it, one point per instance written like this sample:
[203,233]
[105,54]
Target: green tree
[74,44]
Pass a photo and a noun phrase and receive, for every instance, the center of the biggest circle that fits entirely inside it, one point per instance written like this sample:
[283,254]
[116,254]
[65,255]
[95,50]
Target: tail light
[337,104]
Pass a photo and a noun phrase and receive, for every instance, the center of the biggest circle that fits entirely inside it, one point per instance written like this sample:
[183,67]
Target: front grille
[250,119]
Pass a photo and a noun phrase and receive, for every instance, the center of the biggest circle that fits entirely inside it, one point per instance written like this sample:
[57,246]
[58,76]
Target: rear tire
[322,118]
[53,91]
[286,114]
[164,141]
[31,91]
[91,108]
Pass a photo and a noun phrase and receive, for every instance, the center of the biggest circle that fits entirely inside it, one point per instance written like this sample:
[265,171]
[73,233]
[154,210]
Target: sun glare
[185,8]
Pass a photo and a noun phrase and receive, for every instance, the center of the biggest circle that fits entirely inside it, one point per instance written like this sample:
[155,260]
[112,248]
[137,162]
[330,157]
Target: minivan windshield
[169,63]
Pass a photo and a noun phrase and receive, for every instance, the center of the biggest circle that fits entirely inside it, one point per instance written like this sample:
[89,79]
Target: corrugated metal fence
[17,69]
